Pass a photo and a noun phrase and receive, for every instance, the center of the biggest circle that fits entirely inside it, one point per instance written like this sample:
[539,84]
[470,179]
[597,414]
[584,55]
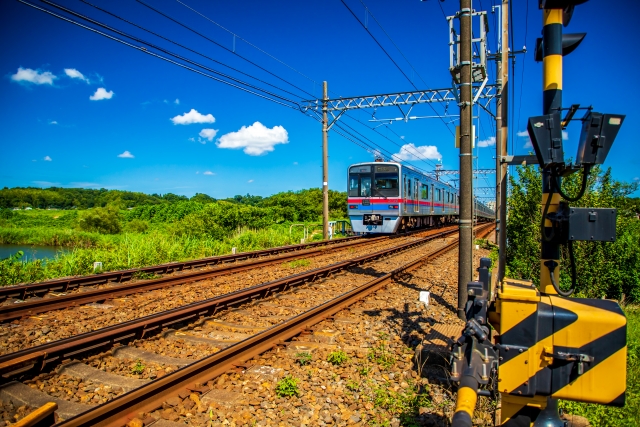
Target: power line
[220,45]
[526,27]
[389,56]
[247,42]
[142,49]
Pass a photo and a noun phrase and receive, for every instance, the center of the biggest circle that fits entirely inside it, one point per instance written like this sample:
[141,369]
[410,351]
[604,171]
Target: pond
[31,252]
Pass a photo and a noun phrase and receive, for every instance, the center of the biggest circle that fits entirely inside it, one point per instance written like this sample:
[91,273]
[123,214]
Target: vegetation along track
[90,289]
[209,336]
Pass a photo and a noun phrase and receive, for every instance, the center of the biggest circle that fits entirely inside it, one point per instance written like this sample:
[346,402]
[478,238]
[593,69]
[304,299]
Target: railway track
[59,294]
[280,319]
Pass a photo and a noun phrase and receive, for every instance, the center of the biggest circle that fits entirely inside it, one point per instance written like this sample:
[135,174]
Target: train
[388,197]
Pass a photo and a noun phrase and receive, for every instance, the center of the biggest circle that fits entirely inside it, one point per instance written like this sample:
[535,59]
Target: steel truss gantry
[484,91]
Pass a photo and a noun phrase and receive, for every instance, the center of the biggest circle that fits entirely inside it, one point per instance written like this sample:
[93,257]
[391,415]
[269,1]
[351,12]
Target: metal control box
[592,224]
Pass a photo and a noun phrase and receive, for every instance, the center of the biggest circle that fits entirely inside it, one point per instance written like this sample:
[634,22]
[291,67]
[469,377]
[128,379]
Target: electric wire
[247,42]
[524,57]
[144,50]
[220,45]
[186,47]
[390,58]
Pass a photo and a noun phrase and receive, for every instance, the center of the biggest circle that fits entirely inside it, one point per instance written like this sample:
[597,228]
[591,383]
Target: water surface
[31,252]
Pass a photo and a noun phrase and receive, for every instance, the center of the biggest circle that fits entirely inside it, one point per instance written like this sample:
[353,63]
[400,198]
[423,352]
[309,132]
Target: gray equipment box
[592,224]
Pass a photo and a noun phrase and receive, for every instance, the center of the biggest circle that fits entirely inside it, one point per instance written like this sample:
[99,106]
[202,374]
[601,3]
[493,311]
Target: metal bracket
[335,119]
[519,160]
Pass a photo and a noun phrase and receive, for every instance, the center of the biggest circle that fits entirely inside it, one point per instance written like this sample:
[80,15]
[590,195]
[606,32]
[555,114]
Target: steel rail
[122,409]
[70,283]
[29,308]
[39,357]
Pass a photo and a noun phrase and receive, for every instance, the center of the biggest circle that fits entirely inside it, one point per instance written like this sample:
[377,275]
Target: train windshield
[373,181]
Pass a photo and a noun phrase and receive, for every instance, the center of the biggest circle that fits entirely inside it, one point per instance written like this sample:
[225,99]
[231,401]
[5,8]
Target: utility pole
[503,110]
[325,164]
[465,254]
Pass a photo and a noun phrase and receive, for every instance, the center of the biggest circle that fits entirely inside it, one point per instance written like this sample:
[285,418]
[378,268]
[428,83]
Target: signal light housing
[393,206]
[570,42]
[353,206]
[546,137]
[598,133]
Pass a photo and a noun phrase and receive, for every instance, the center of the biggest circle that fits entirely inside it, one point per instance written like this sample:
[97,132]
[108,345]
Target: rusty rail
[40,357]
[120,410]
[30,308]
[70,283]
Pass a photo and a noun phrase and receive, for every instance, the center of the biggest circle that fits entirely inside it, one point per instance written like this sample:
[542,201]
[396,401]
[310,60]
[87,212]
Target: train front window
[386,181]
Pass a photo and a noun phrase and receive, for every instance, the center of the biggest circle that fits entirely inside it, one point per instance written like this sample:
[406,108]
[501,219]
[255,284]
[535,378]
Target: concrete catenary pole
[501,209]
[465,253]
[325,164]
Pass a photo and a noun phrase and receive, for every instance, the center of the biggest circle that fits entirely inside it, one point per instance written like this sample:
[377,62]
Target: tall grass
[124,251]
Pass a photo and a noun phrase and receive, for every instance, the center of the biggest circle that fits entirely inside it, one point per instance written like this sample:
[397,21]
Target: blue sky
[80,110]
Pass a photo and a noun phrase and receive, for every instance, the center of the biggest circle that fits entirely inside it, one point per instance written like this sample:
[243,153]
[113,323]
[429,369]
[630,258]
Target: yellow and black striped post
[552,102]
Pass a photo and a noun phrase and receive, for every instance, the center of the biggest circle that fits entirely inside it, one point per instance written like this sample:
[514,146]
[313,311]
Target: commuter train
[387,197]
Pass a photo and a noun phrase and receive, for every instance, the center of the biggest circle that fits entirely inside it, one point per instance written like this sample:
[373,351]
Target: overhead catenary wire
[391,59]
[144,50]
[185,47]
[221,46]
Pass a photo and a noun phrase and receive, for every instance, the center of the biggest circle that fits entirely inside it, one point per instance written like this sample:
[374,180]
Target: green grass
[629,415]
[337,357]
[124,251]
[288,387]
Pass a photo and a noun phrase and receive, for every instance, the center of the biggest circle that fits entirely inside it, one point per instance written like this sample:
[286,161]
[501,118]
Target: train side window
[353,185]
[424,190]
[365,186]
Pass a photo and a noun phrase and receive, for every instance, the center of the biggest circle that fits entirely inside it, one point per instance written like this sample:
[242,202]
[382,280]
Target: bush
[287,387]
[137,226]
[102,220]
[596,277]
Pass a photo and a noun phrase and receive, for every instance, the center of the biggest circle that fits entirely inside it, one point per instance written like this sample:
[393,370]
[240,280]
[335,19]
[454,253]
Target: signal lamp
[546,137]
[393,206]
[598,133]
[353,206]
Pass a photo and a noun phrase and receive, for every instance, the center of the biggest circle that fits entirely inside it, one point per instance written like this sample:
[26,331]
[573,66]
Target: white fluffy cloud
[487,142]
[525,134]
[75,74]
[411,152]
[193,117]
[100,94]
[208,134]
[256,139]
[47,159]
[33,76]
[208,173]
[126,155]
[53,122]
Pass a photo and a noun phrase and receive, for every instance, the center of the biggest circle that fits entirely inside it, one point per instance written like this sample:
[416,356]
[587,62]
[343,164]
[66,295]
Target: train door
[416,195]
[443,201]
[405,192]
[432,198]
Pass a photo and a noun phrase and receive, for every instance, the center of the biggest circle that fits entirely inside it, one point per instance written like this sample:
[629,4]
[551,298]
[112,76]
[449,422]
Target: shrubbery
[604,269]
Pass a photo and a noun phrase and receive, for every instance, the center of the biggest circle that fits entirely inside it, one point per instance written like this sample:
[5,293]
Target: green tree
[603,268]
[103,220]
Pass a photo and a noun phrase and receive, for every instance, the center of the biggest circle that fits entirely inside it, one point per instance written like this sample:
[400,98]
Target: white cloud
[525,134]
[100,94]
[197,172]
[53,122]
[47,159]
[75,74]
[402,137]
[192,139]
[46,183]
[193,117]
[208,173]
[487,142]
[295,163]
[177,101]
[33,76]
[250,181]
[208,134]
[256,139]
[126,155]
[411,152]
[565,135]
